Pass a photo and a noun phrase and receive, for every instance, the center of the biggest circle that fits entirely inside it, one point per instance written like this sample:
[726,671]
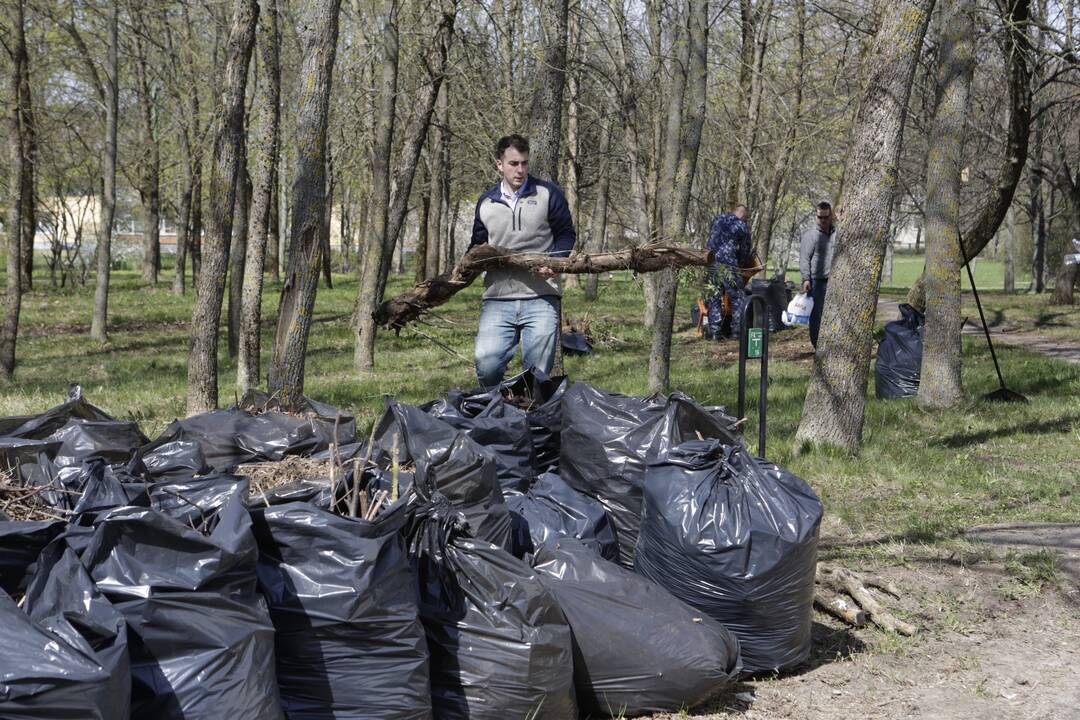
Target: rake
[1002,394]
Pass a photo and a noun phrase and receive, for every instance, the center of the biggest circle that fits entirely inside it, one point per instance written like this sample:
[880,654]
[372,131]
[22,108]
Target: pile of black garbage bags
[543,550]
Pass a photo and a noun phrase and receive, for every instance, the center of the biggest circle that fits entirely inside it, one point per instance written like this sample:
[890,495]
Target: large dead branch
[398,312]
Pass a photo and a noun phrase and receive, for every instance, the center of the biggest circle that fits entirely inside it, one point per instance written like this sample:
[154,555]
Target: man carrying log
[521,214]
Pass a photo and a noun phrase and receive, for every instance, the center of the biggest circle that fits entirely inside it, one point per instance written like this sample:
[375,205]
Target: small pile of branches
[266,476]
[19,501]
[846,595]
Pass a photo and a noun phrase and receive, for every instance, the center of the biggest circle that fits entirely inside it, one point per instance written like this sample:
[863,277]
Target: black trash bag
[552,510]
[735,537]
[576,343]
[496,425]
[450,462]
[184,576]
[608,438]
[349,642]
[17,452]
[103,488]
[328,423]
[235,436]
[89,674]
[114,441]
[775,294]
[21,542]
[637,649]
[899,356]
[541,399]
[40,427]
[500,647]
[176,459]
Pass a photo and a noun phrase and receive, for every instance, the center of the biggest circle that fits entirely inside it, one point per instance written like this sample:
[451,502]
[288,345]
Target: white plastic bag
[798,310]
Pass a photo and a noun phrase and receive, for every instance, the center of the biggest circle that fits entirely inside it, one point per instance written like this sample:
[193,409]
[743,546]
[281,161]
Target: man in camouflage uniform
[729,240]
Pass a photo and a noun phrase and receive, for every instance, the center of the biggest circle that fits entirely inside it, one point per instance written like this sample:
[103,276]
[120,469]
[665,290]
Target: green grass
[921,477]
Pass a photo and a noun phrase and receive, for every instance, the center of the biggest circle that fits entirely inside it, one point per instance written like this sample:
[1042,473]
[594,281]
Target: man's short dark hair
[824,205]
[518,142]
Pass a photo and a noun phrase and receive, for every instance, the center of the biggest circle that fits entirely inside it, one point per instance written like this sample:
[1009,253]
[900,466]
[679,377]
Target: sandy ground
[990,647]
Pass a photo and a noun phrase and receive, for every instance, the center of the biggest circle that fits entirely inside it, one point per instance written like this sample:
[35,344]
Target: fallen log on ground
[398,312]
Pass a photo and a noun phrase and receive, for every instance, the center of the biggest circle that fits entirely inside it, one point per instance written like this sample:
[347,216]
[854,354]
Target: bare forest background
[216,143]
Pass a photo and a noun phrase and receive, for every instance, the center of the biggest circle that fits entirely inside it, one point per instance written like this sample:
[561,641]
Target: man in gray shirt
[815,260]
[524,214]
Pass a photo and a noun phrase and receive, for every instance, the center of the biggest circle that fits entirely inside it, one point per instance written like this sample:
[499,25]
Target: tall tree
[21,161]
[99,323]
[545,114]
[1017,49]
[678,197]
[224,167]
[262,206]
[835,399]
[150,163]
[376,252]
[379,252]
[238,248]
[940,384]
[318,38]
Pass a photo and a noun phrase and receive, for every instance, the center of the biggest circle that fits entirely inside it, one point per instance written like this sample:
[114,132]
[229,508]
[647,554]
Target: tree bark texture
[318,37]
[28,137]
[674,216]
[835,399]
[17,199]
[375,246]
[262,206]
[238,248]
[440,184]
[545,113]
[224,175]
[100,320]
[940,384]
[1019,62]
[150,170]
[407,307]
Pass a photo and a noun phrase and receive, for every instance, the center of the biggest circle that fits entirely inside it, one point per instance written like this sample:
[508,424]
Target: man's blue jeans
[818,288]
[533,321]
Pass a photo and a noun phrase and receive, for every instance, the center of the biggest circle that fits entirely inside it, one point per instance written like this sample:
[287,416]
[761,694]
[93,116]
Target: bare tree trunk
[99,323]
[679,197]
[195,239]
[318,36]
[1065,278]
[768,219]
[940,384]
[1019,63]
[150,172]
[375,247]
[28,130]
[835,399]
[545,114]
[1038,219]
[238,248]
[507,53]
[598,224]
[1010,244]
[273,224]
[328,216]
[224,176]
[423,230]
[183,232]
[17,146]
[398,205]
[440,184]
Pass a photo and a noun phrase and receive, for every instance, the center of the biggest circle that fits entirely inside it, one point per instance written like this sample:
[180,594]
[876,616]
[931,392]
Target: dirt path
[1056,348]
[992,646]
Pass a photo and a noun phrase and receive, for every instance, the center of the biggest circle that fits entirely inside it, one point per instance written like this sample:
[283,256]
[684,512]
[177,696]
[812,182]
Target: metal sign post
[754,343]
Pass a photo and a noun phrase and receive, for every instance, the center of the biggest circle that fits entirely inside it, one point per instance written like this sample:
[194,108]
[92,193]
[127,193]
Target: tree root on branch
[398,312]
[845,595]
